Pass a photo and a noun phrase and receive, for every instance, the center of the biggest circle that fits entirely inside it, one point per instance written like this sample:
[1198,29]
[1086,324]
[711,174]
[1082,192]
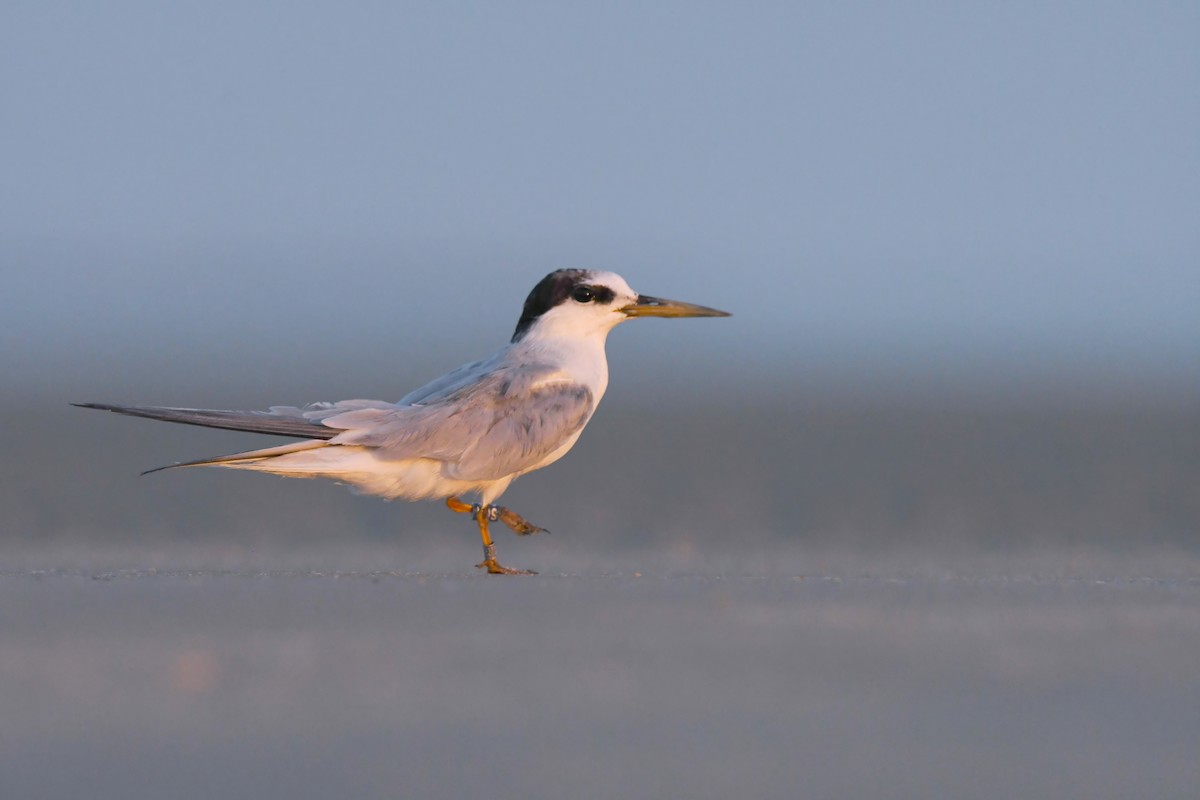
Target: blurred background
[960,244]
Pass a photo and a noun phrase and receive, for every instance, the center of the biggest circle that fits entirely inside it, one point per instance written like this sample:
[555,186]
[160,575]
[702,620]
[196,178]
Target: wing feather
[274,422]
[521,435]
[502,424]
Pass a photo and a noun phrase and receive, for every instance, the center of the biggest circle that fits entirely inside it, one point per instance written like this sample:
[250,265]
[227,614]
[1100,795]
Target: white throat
[577,349]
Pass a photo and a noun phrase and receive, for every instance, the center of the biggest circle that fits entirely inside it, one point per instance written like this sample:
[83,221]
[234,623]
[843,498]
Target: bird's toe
[494,567]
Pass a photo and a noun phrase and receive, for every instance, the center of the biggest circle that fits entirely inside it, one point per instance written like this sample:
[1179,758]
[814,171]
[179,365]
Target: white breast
[578,361]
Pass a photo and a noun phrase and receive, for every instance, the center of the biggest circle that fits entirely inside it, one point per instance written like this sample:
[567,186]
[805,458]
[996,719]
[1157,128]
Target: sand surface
[851,679]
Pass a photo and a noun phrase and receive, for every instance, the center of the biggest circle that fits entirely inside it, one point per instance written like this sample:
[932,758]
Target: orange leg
[458,506]
[483,515]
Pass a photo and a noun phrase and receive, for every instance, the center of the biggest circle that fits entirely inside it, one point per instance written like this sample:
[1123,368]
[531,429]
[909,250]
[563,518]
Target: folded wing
[503,422]
[496,427]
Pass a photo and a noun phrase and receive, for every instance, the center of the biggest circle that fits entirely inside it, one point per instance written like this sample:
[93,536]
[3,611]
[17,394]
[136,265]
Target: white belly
[409,479]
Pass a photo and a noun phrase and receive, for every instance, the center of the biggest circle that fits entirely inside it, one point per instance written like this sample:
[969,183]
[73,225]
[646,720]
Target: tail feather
[241,459]
[249,421]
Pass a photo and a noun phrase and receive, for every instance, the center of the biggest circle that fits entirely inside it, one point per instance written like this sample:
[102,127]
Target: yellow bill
[646,306]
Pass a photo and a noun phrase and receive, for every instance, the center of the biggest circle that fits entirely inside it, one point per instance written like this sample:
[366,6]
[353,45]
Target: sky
[200,194]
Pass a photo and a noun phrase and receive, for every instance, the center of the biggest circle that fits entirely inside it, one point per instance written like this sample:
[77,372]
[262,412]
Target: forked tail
[247,459]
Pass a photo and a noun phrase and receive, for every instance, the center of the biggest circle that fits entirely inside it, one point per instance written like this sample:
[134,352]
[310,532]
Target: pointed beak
[646,306]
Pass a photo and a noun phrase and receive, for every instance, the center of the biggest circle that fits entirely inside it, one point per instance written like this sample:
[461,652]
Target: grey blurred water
[865,473]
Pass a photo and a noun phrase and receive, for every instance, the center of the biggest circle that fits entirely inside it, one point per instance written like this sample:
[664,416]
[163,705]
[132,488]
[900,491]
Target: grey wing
[495,427]
[453,381]
[521,435]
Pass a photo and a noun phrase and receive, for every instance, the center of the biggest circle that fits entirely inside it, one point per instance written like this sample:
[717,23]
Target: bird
[474,430]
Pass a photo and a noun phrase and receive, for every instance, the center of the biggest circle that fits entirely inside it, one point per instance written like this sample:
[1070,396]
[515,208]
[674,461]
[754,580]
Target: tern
[474,430]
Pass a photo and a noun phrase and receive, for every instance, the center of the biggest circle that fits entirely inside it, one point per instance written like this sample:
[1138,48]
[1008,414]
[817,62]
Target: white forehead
[612,280]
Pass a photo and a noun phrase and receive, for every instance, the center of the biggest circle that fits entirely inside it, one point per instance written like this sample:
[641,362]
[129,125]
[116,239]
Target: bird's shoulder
[507,368]
[497,382]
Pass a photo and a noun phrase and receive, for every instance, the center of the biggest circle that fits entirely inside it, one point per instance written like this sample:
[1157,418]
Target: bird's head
[584,302]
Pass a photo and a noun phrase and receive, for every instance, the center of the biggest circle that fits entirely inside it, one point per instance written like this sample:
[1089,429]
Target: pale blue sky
[873,185]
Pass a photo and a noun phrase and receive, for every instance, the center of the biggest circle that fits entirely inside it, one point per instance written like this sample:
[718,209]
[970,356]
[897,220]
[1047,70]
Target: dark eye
[583,294]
